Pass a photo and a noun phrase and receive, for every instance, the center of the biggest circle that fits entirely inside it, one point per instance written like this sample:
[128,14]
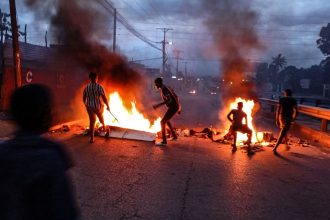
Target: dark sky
[287,27]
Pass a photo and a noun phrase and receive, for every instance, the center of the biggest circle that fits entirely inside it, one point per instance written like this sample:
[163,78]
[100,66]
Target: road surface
[195,178]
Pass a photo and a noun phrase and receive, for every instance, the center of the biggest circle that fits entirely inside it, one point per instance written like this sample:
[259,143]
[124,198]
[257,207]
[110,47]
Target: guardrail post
[324,125]
[301,101]
[317,102]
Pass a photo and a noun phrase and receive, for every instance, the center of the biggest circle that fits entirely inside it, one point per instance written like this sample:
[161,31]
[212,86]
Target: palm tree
[279,62]
[276,65]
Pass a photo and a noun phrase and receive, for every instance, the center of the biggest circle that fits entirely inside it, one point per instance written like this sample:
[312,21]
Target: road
[195,178]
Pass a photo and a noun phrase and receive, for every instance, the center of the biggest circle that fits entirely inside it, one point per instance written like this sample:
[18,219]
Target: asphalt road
[195,178]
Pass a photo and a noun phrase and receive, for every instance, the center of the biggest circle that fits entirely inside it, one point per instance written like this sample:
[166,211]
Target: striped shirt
[92,95]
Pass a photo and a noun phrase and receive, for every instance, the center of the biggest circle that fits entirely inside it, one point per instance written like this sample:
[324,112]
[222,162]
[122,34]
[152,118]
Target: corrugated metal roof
[29,52]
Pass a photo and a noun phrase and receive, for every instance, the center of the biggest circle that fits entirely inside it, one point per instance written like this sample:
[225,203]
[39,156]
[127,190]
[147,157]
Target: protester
[236,117]
[285,115]
[171,100]
[91,97]
[33,182]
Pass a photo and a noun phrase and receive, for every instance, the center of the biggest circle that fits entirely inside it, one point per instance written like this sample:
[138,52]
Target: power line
[110,8]
[147,59]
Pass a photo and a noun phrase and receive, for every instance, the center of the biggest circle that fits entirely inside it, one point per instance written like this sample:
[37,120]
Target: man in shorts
[92,99]
[172,103]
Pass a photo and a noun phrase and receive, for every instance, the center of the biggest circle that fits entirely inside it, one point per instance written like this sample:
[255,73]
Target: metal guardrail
[317,112]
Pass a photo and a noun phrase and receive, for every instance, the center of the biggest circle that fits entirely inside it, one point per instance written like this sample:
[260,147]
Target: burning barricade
[126,123]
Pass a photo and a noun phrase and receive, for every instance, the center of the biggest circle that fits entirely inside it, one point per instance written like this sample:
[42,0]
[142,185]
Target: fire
[128,118]
[247,108]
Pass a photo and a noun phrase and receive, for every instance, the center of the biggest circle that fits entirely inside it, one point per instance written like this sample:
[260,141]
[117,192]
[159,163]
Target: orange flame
[128,118]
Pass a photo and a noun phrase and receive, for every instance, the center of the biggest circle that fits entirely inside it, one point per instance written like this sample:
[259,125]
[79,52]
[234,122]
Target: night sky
[287,27]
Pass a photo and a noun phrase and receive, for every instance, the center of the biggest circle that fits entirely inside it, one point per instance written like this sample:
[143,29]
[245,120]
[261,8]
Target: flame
[247,108]
[128,118]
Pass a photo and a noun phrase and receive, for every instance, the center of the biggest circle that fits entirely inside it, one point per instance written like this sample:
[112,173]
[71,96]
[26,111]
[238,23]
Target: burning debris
[123,133]
[128,118]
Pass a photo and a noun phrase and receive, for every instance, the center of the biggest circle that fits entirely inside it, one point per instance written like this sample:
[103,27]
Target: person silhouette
[171,100]
[92,94]
[236,117]
[286,114]
[33,180]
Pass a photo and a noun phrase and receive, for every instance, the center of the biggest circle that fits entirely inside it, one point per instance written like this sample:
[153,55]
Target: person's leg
[172,130]
[235,139]
[283,132]
[99,114]
[162,123]
[101,119]
[92,119]
[249,135]
[168,115]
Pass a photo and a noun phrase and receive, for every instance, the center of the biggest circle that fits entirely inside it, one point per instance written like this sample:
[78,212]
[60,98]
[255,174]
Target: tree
[279,62]
[323,43]
[289,78]
[276,65]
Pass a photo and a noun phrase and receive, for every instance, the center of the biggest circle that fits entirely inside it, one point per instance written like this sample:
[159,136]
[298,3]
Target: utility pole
[2,24]
[16,52]
[185,69]
[46,42]
[25,35]
[177,53]
[114,31]
[164,42]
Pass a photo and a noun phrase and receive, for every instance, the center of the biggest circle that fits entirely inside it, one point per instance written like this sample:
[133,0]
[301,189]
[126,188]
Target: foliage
[279,62]
[323,43]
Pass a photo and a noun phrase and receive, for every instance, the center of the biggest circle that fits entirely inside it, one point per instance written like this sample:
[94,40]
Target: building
[42,65]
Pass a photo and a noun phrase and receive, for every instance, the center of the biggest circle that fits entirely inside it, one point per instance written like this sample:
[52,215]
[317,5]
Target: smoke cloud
[231,23]
[81,28]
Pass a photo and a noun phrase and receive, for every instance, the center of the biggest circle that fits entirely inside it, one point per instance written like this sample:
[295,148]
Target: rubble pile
[220,137]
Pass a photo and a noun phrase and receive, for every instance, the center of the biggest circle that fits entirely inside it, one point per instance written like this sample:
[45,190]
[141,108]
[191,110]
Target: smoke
[232,26]
[231,23]
[81,27]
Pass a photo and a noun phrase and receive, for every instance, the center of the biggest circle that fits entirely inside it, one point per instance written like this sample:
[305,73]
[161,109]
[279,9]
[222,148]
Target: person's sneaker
[160,143]
[172,138]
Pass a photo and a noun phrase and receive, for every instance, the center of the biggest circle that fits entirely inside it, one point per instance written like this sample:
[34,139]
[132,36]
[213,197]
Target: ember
[128,118]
